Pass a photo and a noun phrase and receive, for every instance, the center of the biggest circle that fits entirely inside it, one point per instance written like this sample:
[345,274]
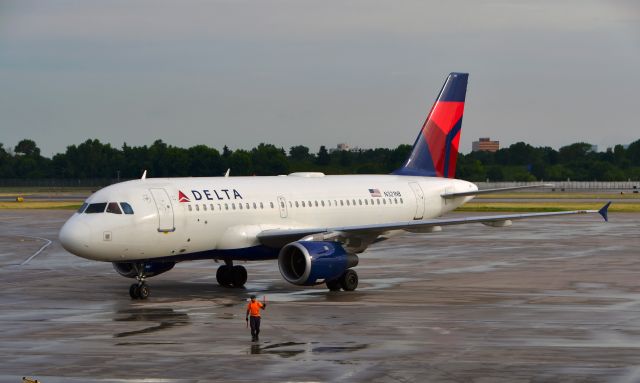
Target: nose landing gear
[139,290]
[229,275]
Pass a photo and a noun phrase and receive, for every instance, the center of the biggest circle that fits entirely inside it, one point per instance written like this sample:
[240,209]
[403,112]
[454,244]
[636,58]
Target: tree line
[518,162]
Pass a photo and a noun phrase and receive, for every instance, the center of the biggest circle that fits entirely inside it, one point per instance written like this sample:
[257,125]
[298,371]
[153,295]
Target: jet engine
[307,263]
[127,269]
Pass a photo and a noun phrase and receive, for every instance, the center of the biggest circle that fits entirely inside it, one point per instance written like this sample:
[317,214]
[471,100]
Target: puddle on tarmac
[164,317]
[291,349]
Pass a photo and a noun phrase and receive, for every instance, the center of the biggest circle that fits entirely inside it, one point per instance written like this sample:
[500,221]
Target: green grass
[50,205]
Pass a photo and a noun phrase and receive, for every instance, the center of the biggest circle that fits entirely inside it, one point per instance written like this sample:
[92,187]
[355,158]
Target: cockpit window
[84,206]
[96,208]
[113,207]
[126,208]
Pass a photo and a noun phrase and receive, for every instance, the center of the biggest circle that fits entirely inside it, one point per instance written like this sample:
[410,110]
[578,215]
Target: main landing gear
[139,290]
[229,275]
[347,281]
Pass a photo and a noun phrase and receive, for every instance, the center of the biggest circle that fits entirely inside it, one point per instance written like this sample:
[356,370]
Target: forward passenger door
[165,210]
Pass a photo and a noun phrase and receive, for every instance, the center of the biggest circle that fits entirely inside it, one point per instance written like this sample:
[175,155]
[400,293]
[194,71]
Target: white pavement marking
[48,242]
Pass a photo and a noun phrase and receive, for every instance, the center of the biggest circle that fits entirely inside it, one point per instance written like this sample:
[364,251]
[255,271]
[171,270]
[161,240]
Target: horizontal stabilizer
[498,190]
[604,211]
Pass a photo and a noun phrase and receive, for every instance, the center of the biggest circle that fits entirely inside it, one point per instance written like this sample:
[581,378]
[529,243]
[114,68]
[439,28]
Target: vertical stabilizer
[435,151]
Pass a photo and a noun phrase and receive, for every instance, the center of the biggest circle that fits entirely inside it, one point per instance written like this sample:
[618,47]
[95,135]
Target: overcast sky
[308,72]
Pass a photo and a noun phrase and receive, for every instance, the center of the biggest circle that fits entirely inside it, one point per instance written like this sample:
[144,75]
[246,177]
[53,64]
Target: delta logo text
[210,195]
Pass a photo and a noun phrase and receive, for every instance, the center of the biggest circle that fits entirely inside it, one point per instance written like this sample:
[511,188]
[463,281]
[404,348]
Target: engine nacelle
[151,269]
[307,263]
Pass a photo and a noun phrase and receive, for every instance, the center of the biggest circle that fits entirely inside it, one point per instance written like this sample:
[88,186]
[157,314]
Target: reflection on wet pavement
[290,349]
[166,317]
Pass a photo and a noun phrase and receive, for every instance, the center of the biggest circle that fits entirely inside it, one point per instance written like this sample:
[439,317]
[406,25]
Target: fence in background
[58,183]
[567,185]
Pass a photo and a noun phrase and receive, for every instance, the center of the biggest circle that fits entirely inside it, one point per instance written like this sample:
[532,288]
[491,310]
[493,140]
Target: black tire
[239,276]
[333,285]
[143,291]
[224,276]
[349,280]
[133,291]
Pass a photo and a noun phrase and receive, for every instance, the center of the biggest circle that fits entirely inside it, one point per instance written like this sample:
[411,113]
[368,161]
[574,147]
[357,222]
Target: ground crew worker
[253,312]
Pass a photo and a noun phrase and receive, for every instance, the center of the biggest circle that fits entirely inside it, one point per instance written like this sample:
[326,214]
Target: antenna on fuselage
[226,175]
[144,175]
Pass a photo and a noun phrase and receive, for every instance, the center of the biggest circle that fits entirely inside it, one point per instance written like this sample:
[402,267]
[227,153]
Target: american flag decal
[375,192]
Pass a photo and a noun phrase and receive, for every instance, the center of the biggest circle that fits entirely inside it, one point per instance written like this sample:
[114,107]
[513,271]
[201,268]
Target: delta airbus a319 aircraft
[313,224]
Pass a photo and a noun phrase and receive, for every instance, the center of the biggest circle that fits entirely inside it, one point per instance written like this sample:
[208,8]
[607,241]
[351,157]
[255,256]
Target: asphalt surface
[549,300]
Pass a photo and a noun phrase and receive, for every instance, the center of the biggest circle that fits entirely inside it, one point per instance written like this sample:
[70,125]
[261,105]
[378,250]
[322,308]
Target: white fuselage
[221,217]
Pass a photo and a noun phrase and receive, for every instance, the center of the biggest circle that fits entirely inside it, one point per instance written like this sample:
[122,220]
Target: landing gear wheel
[224,276]
[349,280]
[239,276]
[143,291]
[333,285]
[133,291]
[139,291]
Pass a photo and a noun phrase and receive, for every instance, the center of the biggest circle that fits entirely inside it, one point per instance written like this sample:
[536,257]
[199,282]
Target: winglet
[144,175]
[604,210]
[226,175]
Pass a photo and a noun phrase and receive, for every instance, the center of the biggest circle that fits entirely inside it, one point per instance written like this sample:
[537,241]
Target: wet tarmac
[553,300]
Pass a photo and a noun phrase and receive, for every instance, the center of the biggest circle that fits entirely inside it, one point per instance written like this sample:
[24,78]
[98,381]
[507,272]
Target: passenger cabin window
[271,203]
[84,206]
[96,208]
[190,208]
[261,205]
[113,208]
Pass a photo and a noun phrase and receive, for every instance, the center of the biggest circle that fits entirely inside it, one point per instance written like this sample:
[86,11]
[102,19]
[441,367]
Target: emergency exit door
[282,205]
[417,191]
[165,210]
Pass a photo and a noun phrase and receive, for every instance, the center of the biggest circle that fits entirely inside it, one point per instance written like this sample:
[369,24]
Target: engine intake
[151,269]
[307,263]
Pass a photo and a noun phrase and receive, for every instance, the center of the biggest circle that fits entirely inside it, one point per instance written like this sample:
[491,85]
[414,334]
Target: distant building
[485,145]
[344,147]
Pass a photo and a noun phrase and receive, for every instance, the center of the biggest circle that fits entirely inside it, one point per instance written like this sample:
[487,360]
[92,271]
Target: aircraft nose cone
[74,237]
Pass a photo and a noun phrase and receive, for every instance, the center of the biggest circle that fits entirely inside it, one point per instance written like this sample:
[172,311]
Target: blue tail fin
[435,151]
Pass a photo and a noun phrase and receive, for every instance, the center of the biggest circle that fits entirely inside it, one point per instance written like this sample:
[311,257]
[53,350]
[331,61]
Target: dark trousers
[254,322]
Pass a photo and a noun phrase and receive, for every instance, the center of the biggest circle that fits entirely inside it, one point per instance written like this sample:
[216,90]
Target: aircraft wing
[280,237]
[489,191]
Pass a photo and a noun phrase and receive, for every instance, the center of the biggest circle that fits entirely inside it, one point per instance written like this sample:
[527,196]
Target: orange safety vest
[254,308]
